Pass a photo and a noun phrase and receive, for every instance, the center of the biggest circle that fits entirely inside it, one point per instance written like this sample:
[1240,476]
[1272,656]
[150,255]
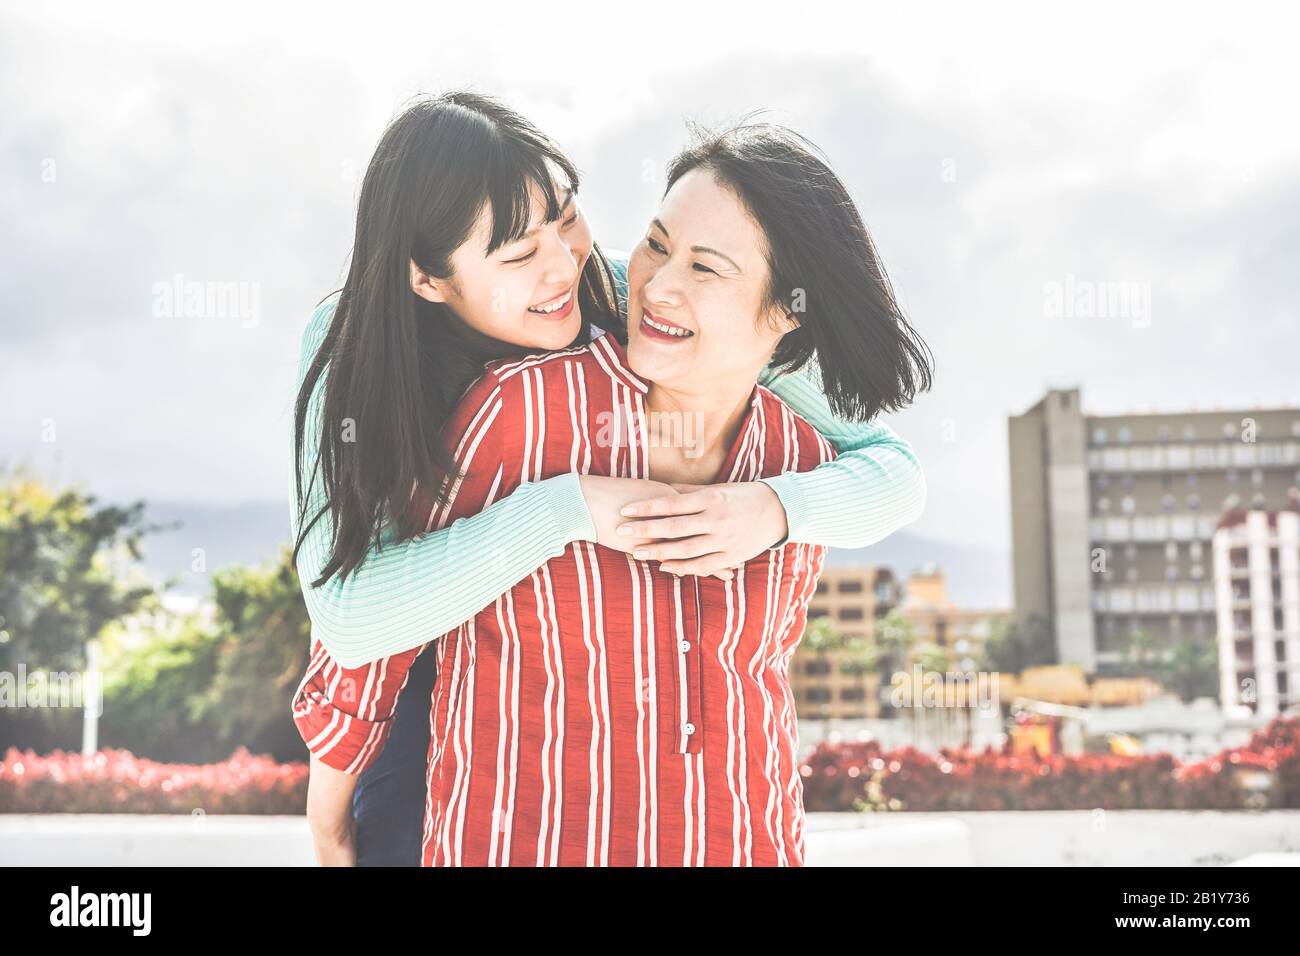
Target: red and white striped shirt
[602,712]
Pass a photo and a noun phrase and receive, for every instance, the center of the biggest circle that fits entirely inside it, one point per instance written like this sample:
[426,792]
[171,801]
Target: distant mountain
[228,534]
[250,534]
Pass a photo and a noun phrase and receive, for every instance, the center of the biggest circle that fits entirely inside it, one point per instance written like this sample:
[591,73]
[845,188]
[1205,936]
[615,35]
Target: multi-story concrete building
[1257,585]
[934,619]
[1112,516]
[853,599]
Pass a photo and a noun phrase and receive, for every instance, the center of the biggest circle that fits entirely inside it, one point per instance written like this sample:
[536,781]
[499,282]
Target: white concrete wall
[1043,838]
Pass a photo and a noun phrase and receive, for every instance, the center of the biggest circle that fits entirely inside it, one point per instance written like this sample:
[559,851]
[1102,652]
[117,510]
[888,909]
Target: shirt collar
[610,354]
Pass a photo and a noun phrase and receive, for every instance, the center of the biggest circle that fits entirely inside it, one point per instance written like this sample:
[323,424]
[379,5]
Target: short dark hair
[824,267]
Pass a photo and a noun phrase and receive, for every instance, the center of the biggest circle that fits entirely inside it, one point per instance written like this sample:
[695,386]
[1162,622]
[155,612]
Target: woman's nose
[563,263]
[662,287]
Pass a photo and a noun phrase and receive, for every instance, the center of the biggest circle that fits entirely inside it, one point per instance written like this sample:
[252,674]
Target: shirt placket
[688,672]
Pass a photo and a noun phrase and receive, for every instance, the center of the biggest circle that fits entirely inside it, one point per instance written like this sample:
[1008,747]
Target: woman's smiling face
[526,292]
[698,311]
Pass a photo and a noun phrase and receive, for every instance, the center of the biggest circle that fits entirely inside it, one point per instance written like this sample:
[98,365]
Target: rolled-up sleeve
[344,714]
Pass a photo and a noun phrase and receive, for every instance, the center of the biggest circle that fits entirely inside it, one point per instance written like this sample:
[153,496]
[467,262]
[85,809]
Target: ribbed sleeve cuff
[794,503]
[568,506]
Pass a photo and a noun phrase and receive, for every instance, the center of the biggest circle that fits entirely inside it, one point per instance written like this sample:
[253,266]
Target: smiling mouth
[658,329]
[554,305]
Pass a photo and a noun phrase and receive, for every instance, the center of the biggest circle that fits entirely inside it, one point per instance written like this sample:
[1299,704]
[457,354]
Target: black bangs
[514,166]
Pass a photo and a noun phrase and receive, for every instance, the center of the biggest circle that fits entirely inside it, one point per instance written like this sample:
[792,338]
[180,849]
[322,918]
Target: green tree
[200,689]
[265,642]
[1014,646]
[63,572]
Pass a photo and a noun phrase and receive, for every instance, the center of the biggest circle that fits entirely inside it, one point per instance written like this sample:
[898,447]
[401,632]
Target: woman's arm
[405,593]
[873,486]
[329,814]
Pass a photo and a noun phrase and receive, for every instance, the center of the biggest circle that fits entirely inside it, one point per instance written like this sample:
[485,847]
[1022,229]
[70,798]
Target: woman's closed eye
[656,248]
[519,260]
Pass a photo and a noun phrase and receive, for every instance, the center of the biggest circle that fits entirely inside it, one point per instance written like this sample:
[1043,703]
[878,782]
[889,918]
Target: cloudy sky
[993,155]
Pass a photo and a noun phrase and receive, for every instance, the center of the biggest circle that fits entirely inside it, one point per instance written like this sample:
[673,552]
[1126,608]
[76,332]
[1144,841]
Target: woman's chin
[553,334]
[648,363]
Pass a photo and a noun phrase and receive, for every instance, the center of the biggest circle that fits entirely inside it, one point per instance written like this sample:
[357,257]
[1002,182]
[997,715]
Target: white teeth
[670,330]
[554,306]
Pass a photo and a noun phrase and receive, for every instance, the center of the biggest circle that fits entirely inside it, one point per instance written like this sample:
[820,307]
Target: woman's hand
[606,497]
[702,529]
[329,814]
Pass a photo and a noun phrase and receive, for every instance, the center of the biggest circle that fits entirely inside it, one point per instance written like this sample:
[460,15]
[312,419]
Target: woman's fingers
[676,526]
[679,550]
[681,504]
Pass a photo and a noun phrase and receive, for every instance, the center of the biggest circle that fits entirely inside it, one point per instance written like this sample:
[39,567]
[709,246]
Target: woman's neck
[691,432]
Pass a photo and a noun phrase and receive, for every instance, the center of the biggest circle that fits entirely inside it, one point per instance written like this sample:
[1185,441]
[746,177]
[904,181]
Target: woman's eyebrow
[568,199]
[710,251]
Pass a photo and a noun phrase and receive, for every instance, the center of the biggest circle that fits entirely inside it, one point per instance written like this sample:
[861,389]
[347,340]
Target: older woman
[604,711]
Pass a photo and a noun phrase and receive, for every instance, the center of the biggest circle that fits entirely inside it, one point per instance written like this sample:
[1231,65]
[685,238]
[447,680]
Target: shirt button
[689,728]
[685,646]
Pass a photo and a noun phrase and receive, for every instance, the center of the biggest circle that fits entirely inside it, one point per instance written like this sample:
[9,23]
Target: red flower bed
[846,776]
[862,776]
[116,781]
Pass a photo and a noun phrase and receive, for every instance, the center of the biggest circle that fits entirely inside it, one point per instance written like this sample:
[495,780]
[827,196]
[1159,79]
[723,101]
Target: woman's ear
[425,286]
[783,321]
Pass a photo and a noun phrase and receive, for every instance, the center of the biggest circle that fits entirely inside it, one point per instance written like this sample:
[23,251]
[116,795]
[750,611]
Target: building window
[817,695]
[1196,549]
[817,667]
[1163,433]
[1198,572]
[1131,574]
[1127,481]
[1171,573]
[1099,436]
[1125,436]
[1171,550]
[853,693]
[1127,504]
[1167,502]
[1193,502]
[1232,476]
[1191,479]
[1130,551]
[1256,477]
[1229,430]
[1189,432]
[1103,504]
[850,614]
[850,587]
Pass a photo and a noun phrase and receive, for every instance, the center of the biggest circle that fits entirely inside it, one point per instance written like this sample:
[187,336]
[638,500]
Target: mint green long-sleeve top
[406,593]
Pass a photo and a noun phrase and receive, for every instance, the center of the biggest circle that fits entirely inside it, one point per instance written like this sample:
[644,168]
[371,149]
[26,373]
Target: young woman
[451,269]
[602,711]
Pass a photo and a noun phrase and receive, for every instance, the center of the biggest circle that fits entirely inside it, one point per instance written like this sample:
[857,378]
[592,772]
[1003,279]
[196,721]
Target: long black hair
[395,364]
[823,266]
